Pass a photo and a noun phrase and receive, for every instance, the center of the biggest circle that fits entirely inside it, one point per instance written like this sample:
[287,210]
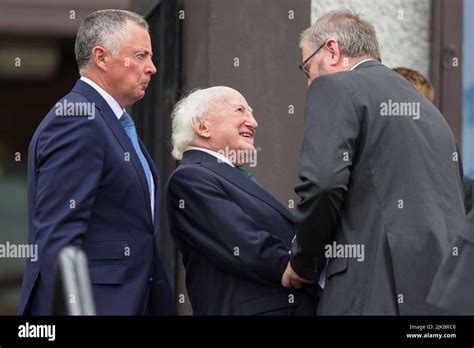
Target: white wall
[468,89]
[402,26]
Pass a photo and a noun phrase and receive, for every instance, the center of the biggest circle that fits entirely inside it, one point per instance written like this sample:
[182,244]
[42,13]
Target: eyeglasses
[302,66]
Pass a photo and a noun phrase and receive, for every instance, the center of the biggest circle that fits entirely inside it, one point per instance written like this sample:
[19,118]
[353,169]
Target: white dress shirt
[118,111]
[362,61]
[217,155]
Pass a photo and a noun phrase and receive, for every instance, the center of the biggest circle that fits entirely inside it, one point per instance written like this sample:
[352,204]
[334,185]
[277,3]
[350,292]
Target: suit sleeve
[327,154]
[467,188]
[69,157]
[214,225]
[452,286]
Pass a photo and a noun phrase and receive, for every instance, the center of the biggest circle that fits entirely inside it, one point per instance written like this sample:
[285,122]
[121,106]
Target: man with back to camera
[453,284]
[424,86]
[381,185]
[91,182]
[234,236]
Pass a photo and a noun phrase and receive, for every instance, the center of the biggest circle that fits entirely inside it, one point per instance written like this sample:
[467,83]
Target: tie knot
[126,120]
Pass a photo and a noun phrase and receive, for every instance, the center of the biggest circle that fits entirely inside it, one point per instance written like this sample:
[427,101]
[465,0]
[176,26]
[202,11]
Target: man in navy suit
[234,236]
[91,182]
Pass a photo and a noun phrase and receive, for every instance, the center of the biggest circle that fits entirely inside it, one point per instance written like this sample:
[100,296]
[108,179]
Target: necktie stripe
[248,175]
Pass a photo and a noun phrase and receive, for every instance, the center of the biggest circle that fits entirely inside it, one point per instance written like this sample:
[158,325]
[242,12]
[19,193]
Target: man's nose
[151,69]
[252,122]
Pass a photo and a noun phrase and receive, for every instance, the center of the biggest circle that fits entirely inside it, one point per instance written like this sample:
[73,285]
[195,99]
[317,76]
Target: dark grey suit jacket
[468,186]
[389,184]
[453,285]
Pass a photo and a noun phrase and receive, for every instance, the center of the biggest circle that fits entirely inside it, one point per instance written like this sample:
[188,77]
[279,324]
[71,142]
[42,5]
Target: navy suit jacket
[87,188]
[235,238]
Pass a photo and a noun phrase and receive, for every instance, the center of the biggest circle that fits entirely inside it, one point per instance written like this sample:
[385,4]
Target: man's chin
[140,94]
[247,147]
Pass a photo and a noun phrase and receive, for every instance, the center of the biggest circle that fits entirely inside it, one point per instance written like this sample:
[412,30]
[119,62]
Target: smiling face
[232,125]
[129,72]
[228,126]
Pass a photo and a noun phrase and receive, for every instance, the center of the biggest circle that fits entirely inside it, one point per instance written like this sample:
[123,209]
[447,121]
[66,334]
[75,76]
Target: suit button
[150,280]
[316,264]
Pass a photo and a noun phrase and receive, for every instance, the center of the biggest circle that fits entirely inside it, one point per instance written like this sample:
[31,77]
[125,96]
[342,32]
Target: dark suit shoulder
[186,170]
[72,119]
[352,80]
[189,174]
[329,82]
[340,86]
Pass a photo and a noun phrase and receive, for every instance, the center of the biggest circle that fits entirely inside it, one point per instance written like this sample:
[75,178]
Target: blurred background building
[250,45]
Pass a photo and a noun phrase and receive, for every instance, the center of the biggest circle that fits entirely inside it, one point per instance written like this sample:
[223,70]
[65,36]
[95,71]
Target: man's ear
[201,127]
[101,57]
[335,52]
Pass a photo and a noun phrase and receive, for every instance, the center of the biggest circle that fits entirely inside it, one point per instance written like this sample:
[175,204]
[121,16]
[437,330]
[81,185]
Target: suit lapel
[117,129]
[234,176]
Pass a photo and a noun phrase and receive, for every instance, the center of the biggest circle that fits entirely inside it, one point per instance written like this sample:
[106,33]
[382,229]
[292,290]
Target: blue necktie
[129,126]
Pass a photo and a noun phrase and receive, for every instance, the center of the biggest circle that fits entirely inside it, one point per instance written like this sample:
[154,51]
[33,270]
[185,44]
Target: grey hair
[103,28]
[194,106]
[356,36]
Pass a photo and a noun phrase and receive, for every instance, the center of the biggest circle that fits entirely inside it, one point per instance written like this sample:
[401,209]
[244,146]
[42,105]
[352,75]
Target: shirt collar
[359,63]
[217,155]
[114,105]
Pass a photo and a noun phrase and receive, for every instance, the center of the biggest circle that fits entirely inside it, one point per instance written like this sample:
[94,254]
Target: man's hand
[291,279]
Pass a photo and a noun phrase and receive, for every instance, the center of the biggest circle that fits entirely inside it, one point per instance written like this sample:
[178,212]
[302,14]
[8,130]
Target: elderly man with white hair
[234,236]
